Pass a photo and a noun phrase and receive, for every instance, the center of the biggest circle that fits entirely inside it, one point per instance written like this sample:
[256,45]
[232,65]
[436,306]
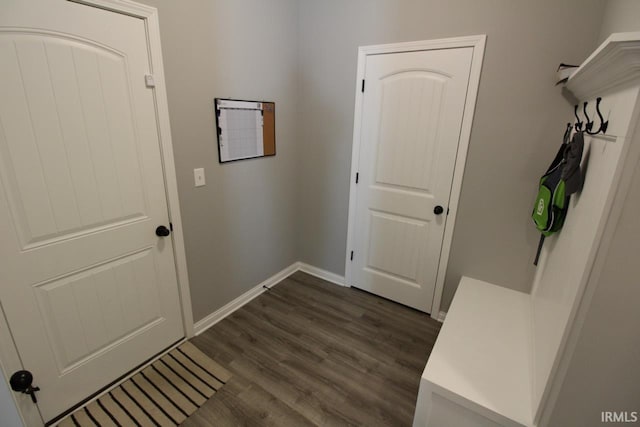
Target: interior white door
[411,119]
[88,289]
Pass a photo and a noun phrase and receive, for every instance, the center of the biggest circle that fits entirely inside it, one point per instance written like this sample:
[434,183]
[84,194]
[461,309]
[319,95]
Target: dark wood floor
[309,352]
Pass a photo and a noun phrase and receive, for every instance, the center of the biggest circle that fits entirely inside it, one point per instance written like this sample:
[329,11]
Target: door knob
[438,210]
[162,231]
[21,381]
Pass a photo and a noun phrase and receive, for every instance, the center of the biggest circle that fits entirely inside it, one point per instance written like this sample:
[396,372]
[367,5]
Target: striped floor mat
[163,394]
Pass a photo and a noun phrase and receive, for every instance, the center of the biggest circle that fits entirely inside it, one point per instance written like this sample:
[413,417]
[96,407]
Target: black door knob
[162,231]
[438,210]
[21,381]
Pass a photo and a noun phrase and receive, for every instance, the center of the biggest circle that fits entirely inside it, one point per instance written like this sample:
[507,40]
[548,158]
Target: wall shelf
[615,64]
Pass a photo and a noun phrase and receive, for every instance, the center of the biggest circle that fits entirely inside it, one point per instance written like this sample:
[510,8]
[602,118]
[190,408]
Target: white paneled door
[413,105]
[87,287]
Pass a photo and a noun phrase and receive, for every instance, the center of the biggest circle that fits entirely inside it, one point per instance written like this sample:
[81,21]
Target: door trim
[476,42]
[9,356]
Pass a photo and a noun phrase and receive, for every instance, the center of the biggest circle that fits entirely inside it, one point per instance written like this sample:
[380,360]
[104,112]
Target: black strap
[540,243]
[558,161]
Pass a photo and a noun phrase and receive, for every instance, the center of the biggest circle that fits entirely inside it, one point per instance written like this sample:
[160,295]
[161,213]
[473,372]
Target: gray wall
[620,16]
[241,227]
[9,416]
[302,55]
[519,120]
[603,374]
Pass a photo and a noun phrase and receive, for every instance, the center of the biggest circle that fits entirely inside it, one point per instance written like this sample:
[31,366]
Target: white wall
[620,16]
[603,374]
[519,120]
[241,227]
[566,257]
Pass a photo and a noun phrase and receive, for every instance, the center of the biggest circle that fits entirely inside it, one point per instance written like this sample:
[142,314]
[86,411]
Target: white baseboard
[204,324]
[323,274]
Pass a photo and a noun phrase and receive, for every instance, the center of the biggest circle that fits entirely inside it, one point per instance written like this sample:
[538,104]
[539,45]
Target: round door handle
[162,231]
[438,210]
[22,381]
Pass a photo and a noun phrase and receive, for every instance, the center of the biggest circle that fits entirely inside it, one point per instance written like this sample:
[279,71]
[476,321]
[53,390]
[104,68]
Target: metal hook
[603,124]
[578,124]
[589,125]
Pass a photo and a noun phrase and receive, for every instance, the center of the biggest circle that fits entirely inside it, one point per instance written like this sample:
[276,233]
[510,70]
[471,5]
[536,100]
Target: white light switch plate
[198,176]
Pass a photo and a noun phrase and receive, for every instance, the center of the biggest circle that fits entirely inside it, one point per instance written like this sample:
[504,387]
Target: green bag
[550,208]
[562,178]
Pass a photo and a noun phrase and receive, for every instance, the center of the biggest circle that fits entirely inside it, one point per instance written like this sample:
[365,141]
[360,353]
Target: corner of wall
[619,16]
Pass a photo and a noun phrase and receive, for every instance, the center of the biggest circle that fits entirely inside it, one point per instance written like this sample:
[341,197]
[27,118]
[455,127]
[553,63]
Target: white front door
[412,113]
[88,289]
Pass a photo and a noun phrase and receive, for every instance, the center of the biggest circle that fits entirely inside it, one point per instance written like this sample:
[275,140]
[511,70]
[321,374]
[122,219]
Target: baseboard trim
[204,324]
[322,274]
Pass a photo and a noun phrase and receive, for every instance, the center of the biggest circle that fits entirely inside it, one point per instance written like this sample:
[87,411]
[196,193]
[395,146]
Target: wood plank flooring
[308,353]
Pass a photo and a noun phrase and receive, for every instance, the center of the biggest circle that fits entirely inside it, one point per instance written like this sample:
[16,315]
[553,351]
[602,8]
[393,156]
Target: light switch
[198,176]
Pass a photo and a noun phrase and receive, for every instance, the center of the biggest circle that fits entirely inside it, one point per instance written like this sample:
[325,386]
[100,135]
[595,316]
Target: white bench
[479,372]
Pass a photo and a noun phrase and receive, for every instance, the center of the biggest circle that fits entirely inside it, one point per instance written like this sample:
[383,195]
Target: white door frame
[478,44]
[9,356]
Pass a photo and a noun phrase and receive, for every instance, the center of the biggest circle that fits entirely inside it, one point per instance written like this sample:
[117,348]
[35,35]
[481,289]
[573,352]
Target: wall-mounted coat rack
[588,125]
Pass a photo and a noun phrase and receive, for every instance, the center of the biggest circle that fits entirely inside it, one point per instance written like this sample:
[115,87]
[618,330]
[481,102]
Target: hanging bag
[562,178]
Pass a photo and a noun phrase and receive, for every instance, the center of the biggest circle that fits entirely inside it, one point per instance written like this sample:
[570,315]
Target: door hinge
[171,226]
[357,177]
[149,81]
[362,85]
[351,255]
